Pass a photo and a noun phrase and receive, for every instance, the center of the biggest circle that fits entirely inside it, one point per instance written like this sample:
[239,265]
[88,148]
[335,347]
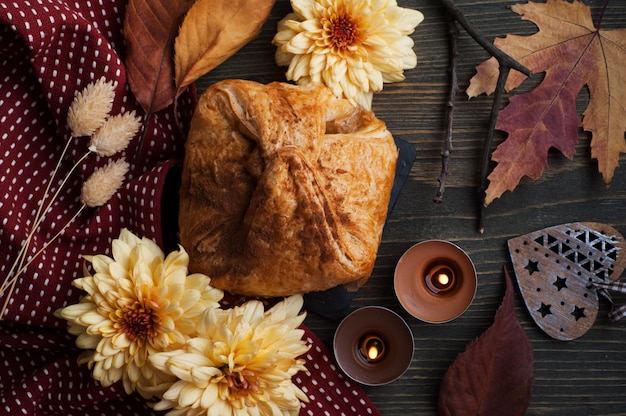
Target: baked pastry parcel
[284,188]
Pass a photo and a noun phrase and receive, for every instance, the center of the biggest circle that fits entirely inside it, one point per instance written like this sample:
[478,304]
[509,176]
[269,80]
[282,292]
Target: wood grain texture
[586,376]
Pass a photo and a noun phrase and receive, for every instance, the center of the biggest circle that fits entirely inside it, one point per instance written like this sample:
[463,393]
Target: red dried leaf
[494,375]
[150,27]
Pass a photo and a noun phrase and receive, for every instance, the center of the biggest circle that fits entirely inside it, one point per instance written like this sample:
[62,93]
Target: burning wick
[372,348]
[443,279]
[440,278]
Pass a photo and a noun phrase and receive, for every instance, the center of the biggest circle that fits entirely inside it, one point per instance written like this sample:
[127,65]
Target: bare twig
[503,58]
[453,33]
[506,64]
[484,165]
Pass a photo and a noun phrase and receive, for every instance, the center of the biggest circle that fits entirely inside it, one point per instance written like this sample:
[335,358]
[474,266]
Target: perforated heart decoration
[560,271]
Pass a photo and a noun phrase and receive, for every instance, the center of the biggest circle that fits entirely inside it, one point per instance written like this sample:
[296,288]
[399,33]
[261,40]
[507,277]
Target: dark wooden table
[586,376]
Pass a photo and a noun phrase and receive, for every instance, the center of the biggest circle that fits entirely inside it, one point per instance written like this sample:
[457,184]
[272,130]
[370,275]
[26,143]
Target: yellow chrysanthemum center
[341,30]
[237,386]
[137,321]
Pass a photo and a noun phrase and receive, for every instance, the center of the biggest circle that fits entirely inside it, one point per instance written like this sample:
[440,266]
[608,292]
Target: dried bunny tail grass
[103,183]
[90,108]
[115,134]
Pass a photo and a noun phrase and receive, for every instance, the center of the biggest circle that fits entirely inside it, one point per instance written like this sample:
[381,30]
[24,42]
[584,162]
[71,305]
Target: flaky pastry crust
[284,189]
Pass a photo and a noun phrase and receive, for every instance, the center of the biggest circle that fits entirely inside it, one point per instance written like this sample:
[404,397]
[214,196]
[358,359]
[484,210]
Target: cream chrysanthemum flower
[240,363]
[137,303]
[352,46]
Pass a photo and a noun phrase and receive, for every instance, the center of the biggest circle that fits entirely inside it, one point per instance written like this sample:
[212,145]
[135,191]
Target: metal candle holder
[373,345]
[435,281]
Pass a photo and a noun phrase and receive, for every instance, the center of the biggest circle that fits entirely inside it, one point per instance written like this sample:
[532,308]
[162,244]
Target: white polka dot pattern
[49,49]
[330,392]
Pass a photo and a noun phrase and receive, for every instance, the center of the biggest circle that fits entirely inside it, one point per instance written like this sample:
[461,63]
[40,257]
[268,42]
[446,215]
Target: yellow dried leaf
[212,32]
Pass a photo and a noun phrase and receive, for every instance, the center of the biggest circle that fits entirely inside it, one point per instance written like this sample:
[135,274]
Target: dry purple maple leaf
[495,374]
[573,53]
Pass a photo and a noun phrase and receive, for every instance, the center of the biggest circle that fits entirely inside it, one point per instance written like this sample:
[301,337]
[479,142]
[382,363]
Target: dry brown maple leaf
[150,27]
[214,31]
[573,53]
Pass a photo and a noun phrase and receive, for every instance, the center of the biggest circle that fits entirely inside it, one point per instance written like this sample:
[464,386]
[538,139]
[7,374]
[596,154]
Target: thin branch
[484,165]
[453,34]
[503,58]
[506,63]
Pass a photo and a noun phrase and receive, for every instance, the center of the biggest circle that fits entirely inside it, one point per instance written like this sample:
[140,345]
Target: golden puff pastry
[284,188]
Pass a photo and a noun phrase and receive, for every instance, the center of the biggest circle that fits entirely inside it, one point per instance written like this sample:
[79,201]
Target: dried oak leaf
[214,31]
[494,375]
[150,27]
[572,53]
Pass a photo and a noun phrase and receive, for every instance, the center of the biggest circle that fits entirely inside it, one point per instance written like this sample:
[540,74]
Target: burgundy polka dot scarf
[49,50]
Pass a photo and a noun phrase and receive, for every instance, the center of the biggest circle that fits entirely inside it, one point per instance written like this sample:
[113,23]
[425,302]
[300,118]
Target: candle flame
[372,352]
[443,279]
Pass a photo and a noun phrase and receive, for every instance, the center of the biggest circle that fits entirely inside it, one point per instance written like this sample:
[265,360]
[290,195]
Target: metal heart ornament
[561,270]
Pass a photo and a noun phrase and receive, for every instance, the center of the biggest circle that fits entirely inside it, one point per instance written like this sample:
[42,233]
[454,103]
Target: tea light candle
[372,348]
[373,345]
[435,281]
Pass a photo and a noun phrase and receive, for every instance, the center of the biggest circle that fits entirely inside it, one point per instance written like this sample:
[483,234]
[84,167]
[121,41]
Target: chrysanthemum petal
[282,23]
[173,392]
[190,395]
[201,376]
[405,19]
[283,58]
[90,317]
[181,365]
[298,45]
[74,312]
[100,263]
[159,360]
[311,26]
[298,67]
[305,9]
[209,396]
[86,341]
